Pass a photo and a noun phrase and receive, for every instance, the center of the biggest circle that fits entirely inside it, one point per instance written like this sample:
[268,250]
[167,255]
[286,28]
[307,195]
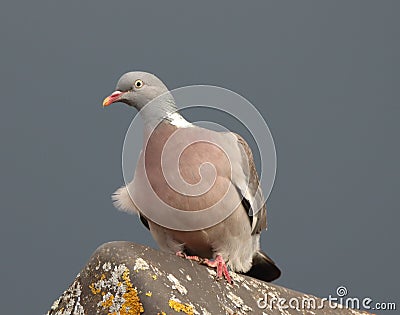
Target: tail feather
[122,200]
[263,268]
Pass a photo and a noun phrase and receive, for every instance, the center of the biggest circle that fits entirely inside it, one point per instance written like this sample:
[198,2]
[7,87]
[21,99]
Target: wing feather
[250,189]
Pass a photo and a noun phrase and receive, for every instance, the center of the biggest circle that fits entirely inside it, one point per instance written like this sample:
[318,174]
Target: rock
[126,278]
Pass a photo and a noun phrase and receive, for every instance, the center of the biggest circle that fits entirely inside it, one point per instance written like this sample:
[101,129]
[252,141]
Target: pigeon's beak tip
[114,97]
[107,101]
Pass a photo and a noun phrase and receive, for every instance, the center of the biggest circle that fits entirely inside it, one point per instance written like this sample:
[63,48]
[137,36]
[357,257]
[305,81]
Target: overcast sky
[324,75]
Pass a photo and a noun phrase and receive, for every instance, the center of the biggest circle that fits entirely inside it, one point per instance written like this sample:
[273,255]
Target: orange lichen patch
[149,293]
[162,313]
[132,304]
[93,287]
[180,307]
[109,302]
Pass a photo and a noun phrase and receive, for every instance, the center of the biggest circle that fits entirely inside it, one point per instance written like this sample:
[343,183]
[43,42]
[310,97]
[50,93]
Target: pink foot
[222,269]
[183,255]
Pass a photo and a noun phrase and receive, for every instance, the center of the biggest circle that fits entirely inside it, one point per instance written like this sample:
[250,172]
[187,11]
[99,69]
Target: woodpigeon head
[136,89]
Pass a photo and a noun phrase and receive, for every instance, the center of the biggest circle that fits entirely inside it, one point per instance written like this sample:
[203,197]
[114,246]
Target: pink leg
[222,269]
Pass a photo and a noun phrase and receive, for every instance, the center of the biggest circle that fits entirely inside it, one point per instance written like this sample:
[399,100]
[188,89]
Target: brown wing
[253,191]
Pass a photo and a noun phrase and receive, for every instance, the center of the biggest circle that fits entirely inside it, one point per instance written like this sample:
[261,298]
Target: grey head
[149,95]
[136,89]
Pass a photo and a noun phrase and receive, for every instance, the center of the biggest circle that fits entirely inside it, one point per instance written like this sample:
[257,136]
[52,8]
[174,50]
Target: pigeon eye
[138,83]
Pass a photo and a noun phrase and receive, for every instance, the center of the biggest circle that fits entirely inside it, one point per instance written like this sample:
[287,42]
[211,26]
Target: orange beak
[114,97]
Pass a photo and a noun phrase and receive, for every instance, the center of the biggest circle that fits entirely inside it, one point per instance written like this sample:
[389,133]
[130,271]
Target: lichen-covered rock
[129,279]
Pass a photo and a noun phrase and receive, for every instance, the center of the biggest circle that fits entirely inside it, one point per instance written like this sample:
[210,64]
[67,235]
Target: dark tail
[263,268]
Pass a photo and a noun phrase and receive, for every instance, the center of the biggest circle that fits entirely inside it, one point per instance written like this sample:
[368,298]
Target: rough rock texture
[126,278]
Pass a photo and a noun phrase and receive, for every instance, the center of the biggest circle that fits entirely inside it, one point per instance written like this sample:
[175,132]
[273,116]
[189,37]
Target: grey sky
[325,76]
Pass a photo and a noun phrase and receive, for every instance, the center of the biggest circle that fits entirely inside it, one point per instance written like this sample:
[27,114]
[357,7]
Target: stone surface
[126,278]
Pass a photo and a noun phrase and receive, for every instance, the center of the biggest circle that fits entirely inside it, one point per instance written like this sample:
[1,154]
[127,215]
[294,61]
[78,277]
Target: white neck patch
[177,120]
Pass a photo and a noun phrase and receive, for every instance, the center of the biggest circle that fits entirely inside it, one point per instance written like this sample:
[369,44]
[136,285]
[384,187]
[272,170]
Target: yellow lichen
[162,313]
[132,304]
[180,307]
[149,293]
[154,277]
[93,288]
[109,302]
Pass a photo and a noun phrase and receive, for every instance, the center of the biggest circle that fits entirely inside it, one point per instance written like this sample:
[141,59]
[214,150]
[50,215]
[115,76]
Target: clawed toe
[220,265]
[183,255]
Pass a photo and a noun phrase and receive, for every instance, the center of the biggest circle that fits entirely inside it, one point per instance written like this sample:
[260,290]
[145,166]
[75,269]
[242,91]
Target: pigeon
[196,190]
